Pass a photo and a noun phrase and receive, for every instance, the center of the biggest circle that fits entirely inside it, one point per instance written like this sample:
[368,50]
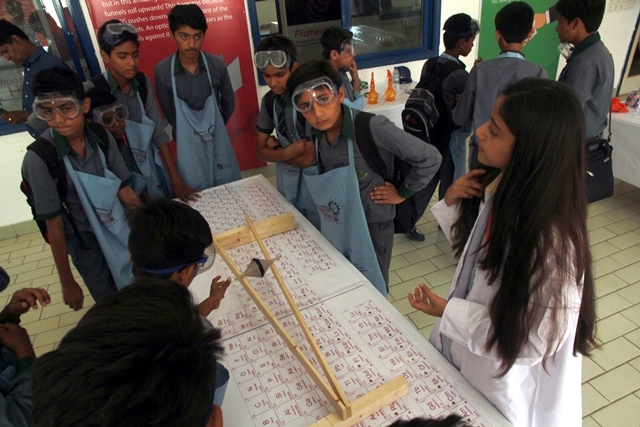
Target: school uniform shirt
[45,192]
[528,396]
[345,81]
[16,399]
[194,88]
[38,61]
[267,121]
[486,80]
[390,140]
[589,71]
[132,102]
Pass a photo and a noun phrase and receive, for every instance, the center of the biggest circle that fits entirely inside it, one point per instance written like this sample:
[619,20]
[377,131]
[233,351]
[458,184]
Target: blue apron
[337,197]
[205,153]
[290,180]
[358,103]
[99,198]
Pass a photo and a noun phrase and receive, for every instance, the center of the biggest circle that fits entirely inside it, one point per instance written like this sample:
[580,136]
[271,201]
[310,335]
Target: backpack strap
[367,146]
[143,89]
[101,133]
[269,101]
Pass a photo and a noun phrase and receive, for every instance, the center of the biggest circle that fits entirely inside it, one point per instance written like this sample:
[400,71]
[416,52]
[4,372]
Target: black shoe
[414,234]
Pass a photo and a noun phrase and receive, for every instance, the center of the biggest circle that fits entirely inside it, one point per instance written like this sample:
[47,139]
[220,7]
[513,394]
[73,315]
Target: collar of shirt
[178,66]
[345,130]
[586,43]
[113,84]
[63,147]
[286,98]
[450,57]
[511,54]
[34,57]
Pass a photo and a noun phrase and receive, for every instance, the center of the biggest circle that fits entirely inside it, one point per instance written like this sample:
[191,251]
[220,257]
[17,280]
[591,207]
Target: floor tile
[625,240]
[42,325]
[444,260]
[45,254]
[415,270]
[431,239]
[627,256]
[421,319]
[620,213]
[633,314]
[403,306]
[629,274]
[600,235]
[589,422]
[590,369]
[634,337]
[26,251]
[623,413]
[631,293]
[51,337]
[441,276]
[401,290]
[635,363]
[617,383]
[29,237]
[13,270]
[598,221]
[73,317]
[610,304]
[7,233]
[605,266]
[402,247]
[609,283]
[36,273]
[398,262]
[426,331]
[421,254]
[591,399]
[613,327]
[43,349]
[394,279]
[603,249]
[28,227]
[615,353]
[622,227]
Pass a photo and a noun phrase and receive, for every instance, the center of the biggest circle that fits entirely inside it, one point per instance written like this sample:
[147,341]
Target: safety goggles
[46,106]
[474,29]
[277,58]
[203,264]
[321,90]
[348,48]
[108,114]
[113,32]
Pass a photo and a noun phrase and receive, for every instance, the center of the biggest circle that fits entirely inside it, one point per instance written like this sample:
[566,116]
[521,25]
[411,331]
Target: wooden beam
[328,373]
[266,228]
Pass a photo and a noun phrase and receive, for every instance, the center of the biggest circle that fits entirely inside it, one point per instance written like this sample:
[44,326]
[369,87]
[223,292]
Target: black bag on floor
[599,169]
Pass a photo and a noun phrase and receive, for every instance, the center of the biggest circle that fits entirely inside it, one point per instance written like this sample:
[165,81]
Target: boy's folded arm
[307,158]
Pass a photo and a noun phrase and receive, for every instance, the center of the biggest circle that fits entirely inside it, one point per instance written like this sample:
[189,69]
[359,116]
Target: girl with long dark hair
[520,311]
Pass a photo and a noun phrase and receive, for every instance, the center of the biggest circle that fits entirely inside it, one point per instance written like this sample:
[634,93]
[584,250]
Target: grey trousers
[382,238]
[91,264]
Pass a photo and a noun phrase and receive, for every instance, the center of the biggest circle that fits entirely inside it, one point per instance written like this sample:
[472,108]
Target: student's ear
[16,40]
[185,276]
[294,66]
[104,56]
[576,24]
[334,55]
[498,36]
[86,106]
[341,94]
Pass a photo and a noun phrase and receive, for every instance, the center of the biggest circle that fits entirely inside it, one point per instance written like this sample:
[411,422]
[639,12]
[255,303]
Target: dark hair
[515,21]
[332,39]
[449,421]
[100,99]
[456,27]
[310,70]
[590,12]
[126,37]
[139,357]
[187,14]
[7,29]
[165,233]
[539,212]
[281,43]
[57,79]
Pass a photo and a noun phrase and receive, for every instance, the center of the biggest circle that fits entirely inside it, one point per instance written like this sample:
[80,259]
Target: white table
[626,146]
[365,339]
[392,110]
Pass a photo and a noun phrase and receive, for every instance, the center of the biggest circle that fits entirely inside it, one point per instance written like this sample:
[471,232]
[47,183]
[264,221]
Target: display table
[625,140]
[366,341]
[392,110]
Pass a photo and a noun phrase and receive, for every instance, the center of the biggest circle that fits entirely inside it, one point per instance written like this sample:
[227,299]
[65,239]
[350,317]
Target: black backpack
[406,215]
[425,109]
[47,152]
[102,85]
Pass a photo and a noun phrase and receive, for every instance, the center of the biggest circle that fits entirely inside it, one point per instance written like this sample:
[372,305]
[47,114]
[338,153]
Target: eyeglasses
[108,114]
[203,264]
[348,49]
[474,29]
[113,32]
[321,90]
[46,106]
[277,58]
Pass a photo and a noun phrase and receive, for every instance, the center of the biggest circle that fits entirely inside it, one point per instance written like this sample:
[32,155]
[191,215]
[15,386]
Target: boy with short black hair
[276,58]
[88,223]
[196,95]
[355,203]
[340,52]
[140,357]
[514,26]
[120,51]
[589,70]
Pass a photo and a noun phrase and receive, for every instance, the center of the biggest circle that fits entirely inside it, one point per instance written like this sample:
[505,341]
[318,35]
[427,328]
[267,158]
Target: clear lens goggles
[277,58]
[46,106]
[321,90]
[348,49]
[202,265]
[113,32]
[474,30]
[108,114]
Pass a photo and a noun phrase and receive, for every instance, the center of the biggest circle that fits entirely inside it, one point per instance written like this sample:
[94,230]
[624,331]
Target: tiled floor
[611,378]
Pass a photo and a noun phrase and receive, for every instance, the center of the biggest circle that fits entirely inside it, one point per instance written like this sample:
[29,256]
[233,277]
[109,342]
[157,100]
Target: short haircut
[100,99]
[126,37]
[7,29]
[311,70]
[60,80]
[449,421]
[139,357]
[281,43]
[590,12]
[165,233]
[187,14]
[456,27]
[332,39]
[515,21]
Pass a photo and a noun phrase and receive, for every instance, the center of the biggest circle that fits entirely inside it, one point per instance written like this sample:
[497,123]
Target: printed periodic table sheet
[364,338]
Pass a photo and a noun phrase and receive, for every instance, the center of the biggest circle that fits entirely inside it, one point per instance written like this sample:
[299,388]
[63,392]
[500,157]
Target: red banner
[227,35]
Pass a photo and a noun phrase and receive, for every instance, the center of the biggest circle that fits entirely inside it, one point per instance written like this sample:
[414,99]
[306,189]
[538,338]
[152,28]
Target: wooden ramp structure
[346,413]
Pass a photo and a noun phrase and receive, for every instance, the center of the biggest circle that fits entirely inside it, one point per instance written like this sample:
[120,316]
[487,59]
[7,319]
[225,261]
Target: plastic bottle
[396,79]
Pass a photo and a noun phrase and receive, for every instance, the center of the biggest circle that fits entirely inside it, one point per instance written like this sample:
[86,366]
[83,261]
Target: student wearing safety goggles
[275,58]
[171,240]
[195,93]
[89,224]
[340,52]
[119,49]
[356,205]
